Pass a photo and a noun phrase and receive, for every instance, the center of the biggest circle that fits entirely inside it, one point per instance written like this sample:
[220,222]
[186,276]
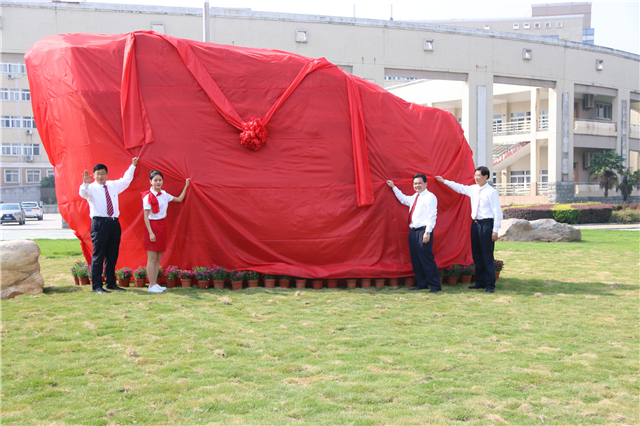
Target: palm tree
[629,180]
[604,166]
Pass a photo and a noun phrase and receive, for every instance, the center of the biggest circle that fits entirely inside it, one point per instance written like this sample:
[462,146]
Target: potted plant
[252,278]
[236,278]
[317,283]
[74,271]
[203,275]
[498,264]
[410,281]
[269,281]
[84,271]
[160,272]
[352,282]
[124,276]
[301,283]
[332,283]
[172,273]
[186,276]
[442,273]
[284,281]
[141,276]
[452,273]
[365,282]
[219,275]
[466,272]
[393,282]
[380,282]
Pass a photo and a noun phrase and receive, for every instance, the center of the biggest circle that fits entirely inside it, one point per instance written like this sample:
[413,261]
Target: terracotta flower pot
[410,282]
[465,279]
[172,282]
[218,284]
[352,283]
[301,283]
[365,282]
[497,275]
[236,285]
[332,283]
[124,282]
[284,283]
[452,280]
[269,283]
[203,284]
[186,282]
[380,282]
[76,280]
[473,278]
[317,284]
[441,280]
[140,282]
[393,282]
[252,283]
[84,281]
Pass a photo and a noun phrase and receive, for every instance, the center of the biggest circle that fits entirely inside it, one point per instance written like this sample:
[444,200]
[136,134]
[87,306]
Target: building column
[477,117]
[620,114]
[533,156]
[560,145]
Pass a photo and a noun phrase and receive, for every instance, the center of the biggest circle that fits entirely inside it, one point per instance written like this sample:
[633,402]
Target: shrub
[80,264]
[452,271]
[468,269]
[172,272]
[499,264]
[219,273]
[83,270]
[269,277]
[625,216]
[141,272]
[251,275]
[236,275]
[529,212]
[186,273]
[201,273]
[564,213]
[124,273]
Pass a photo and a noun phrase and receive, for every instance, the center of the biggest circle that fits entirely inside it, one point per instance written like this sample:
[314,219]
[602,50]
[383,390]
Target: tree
[629,180]
[604,166]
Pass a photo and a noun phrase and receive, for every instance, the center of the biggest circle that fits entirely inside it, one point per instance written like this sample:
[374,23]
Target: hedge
[563,213]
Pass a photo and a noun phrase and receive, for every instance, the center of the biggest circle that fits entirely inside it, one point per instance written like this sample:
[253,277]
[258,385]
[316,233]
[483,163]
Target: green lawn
[556,344]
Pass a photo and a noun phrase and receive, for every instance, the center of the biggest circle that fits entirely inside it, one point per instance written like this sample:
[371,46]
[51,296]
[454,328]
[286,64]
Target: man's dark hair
[484,171]
[155,173]
[100,167]
[421,176]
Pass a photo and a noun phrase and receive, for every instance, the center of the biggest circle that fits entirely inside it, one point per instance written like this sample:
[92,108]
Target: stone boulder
[20,269]
[538,230]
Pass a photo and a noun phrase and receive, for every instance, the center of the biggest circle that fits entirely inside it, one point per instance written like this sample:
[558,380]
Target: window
[4,94]
[302,36]
[487,27]
[526,25]
[11,176]
[25,95]
[543,176]
[28,123]
[4,68]
[5,121]
[603,111]
[33,176]
[31,149]
[497,123]
[547,24]
[559,24]
[543,119]
[15,122]
[14,94]
[521,177]
[516,26]
[536,25]
[11,149]
[49,173]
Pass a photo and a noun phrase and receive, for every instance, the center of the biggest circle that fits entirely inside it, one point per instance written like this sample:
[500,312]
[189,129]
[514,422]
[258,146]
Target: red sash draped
[153,200]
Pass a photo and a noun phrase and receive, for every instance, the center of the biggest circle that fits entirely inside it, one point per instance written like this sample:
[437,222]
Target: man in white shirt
[104,210]
[486,215]
[423,210]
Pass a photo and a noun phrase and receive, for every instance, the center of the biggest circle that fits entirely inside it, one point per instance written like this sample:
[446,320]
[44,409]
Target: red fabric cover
[311,201]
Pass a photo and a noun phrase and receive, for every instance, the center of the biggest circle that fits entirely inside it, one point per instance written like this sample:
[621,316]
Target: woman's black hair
[155,173]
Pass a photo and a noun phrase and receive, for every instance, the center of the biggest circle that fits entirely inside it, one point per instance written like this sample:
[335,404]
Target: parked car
[33,209]
[12,212]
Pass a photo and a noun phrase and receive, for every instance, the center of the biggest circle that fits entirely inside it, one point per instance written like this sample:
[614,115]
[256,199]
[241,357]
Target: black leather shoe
[475,286]
[489,291]
[116,288]
[417,288]
[435,291]
[101,291]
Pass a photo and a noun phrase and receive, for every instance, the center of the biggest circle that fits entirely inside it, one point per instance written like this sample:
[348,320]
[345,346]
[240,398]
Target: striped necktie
[109,204]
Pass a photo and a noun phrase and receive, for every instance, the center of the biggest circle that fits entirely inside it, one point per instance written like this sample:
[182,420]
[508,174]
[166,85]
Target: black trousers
[424,266]
[482,249]
[105,236]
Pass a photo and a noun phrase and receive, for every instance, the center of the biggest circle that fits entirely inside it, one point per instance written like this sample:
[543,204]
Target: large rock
[20,269]
[538,230]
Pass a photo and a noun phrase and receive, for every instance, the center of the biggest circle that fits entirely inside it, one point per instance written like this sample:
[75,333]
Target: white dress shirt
[94,193]
[163,202]
[426,209]
[485,203]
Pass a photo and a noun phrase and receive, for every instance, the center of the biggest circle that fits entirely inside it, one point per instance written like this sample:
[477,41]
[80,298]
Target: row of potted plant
[205,277]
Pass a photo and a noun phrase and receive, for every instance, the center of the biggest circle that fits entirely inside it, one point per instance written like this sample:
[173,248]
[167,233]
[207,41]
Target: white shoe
[155,289]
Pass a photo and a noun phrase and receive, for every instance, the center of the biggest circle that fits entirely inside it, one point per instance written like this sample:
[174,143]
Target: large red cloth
[308,200]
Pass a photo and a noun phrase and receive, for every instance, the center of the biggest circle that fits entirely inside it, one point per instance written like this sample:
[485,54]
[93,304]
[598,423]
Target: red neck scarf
[153,200]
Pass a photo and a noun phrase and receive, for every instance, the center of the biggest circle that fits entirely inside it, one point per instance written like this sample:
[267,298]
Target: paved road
[611,226]
[49,228]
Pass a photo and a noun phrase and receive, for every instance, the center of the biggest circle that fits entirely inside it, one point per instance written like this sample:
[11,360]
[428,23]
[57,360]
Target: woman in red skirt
[155,202]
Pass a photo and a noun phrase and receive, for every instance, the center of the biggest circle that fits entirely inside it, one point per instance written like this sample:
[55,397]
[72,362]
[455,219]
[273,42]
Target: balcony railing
[595,127]
[512,128]
[511,189]
[634,131]
[543,123]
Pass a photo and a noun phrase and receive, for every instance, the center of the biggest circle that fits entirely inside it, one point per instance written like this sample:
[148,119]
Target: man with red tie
[486,214]
[422,218]
[104,210]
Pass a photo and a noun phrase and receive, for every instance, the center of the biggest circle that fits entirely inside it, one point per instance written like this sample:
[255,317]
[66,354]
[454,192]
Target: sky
[616,23]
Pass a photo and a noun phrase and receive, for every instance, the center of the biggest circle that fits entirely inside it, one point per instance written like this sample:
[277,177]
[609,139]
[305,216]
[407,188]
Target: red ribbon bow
[253,134]
[153,200]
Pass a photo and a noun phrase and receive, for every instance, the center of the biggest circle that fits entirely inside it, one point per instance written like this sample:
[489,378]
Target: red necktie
[109,204]
[413,207]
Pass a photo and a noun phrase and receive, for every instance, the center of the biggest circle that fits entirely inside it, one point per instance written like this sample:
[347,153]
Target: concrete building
[576,97]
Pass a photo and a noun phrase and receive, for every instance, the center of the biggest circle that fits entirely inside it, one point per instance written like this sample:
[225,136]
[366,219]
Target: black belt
[483,220]
[422,228]
[104,218]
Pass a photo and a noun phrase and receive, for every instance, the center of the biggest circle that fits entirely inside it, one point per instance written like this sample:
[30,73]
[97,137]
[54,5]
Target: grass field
[556,344]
